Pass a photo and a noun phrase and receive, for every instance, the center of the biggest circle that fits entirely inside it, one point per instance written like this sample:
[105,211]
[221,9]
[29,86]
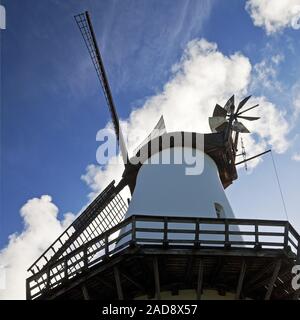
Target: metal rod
[260,154]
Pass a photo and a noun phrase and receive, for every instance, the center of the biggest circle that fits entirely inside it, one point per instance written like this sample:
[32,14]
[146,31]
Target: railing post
[85,258]
[66,268]
[165,241]
[298,252]
[48,278]
[106,245]
[28,292]
[257,245]
[286,236]
[227,243]
[197,233]
[133,231]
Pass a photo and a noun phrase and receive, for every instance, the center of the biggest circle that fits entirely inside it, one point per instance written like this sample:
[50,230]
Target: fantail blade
[216,122]
[242,103]
[248,109]
[219,111]
[229,104]
[249,118]
[239,127]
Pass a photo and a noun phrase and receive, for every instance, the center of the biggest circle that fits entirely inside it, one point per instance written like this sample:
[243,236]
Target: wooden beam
[28,292]
[273,280]
[146,267]
[163,269]
[264,282]
[156,278]
[261,283]
[105,283]
[200,279]
[85,292]
[118,283]
[217,270]
[258,276]
[241,281]
[134,282]
[245,252]
[188,270]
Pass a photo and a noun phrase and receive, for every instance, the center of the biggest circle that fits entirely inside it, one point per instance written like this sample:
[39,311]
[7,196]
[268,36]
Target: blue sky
[52,106]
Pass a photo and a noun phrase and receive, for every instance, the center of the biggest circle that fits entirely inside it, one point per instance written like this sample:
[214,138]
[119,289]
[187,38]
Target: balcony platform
[254,262]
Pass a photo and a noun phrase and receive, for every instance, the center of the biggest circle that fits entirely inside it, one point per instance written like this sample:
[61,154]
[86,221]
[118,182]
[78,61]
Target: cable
[279,186]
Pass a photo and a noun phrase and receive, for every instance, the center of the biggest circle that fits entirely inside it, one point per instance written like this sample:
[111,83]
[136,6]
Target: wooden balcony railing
[171,232]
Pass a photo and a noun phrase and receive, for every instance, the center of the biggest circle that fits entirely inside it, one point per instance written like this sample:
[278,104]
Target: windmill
[178,230]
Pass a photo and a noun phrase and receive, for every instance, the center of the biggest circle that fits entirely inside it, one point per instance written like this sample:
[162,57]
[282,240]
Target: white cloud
[40,229]
[296,157]
[272,127]
[297,105]
[265,74]
[98,178]
[296,100]
[274,15]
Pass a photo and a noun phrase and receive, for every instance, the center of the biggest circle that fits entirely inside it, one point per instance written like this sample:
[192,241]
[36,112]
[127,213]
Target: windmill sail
[107,210]
[85,26]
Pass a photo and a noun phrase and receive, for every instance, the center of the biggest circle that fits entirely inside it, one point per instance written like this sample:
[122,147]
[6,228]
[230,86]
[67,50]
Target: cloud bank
[274,15]
[41,227]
